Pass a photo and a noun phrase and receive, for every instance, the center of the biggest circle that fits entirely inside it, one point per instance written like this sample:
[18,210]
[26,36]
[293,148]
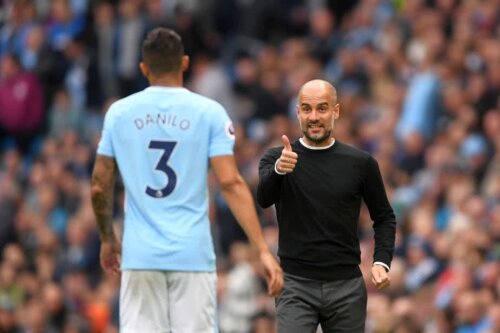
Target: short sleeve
[221,132]
[105,146]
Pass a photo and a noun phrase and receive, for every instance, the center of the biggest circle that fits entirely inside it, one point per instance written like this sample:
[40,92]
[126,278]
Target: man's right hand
[274,273]
[288,159]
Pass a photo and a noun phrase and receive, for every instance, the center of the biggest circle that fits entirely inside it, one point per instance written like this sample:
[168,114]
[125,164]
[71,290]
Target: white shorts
[168,302]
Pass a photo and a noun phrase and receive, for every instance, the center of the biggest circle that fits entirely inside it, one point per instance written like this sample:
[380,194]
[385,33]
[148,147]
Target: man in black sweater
[317,184]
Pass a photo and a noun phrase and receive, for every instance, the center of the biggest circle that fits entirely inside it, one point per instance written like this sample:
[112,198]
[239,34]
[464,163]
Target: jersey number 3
[162,166]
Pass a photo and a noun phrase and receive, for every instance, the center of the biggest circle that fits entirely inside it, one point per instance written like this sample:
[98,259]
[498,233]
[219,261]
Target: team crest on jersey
[229,129]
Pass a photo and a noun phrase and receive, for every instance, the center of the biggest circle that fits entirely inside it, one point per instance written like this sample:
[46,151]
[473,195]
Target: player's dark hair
[162,51]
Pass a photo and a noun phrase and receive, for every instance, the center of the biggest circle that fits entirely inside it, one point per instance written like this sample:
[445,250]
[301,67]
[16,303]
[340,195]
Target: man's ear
[184,63]
[144,69]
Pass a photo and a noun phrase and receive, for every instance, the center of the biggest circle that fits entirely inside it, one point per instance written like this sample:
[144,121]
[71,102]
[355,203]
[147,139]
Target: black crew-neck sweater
[318,205]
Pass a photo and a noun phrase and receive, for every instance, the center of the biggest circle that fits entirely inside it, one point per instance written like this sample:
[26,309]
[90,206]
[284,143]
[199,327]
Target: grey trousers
[339,306]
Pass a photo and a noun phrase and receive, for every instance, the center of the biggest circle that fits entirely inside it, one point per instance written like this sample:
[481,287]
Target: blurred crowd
[419,88]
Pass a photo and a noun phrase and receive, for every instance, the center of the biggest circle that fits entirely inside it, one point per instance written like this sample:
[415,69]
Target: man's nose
[314,115]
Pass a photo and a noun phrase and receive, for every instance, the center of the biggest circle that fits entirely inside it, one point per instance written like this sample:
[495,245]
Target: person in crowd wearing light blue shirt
[163,141]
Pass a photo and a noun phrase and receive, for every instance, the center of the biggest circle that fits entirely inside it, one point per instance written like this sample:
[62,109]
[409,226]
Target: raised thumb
[286,142]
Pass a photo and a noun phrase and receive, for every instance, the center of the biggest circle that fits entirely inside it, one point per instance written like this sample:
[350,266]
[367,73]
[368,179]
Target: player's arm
[103,180]
[240,201]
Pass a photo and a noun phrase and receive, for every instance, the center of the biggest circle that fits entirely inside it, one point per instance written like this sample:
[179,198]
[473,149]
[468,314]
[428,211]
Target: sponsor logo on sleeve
[229,129]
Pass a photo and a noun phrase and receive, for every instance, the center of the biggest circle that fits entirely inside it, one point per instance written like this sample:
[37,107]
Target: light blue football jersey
[162,139]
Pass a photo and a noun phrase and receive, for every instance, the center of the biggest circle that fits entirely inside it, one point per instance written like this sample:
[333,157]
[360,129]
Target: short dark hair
[162,51]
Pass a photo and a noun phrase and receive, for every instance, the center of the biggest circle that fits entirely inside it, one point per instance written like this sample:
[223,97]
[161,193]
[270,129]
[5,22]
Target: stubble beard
[318,139]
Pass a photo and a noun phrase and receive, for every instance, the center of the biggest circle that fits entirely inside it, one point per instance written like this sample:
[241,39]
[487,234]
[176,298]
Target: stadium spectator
[14,34]
[21,103]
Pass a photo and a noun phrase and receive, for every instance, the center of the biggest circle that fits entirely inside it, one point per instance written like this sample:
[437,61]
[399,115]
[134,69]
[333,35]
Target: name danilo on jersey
[162,119]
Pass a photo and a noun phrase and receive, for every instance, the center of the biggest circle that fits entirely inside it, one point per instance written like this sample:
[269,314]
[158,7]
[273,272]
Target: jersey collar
[165,89]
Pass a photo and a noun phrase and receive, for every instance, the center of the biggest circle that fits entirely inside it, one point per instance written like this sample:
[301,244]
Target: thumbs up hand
[288,159]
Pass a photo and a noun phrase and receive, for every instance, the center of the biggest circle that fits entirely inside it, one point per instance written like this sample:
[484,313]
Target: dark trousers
[339,306]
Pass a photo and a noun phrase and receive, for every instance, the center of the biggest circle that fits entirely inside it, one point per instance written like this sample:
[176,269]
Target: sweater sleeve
[269,181]
[381,212]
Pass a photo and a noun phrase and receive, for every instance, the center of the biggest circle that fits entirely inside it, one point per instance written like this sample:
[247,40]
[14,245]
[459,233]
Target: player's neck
[171,80]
